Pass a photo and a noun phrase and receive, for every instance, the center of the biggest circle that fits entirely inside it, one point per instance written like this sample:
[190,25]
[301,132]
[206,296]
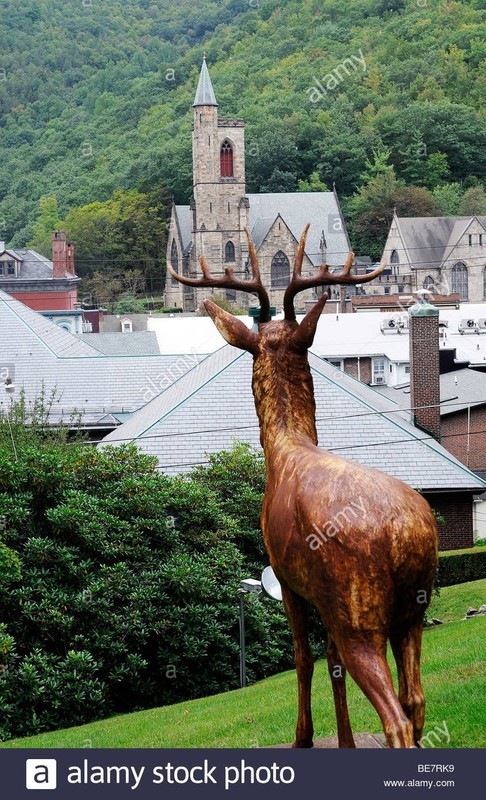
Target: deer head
[278,335]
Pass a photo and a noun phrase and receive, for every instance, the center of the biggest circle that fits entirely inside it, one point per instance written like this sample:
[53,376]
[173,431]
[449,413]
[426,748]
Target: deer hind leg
[337,673]
[366,662]
[406,649]
[297,611]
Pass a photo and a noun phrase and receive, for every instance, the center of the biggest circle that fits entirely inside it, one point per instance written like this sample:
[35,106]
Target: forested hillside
[95,102]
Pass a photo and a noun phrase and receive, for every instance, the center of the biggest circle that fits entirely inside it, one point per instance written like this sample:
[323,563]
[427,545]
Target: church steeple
[205,93]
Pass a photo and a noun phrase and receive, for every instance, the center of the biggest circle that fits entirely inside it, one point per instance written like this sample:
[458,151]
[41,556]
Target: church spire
[204,94]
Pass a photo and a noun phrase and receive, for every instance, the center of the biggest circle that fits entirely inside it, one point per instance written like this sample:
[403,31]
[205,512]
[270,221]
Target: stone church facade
[213,225]
[445,255]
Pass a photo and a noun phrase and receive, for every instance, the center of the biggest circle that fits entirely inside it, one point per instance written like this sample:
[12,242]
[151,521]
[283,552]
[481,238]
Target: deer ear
[232,329]
[304,335]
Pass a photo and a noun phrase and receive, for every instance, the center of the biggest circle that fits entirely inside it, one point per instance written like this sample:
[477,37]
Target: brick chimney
[59,254]
[425,368]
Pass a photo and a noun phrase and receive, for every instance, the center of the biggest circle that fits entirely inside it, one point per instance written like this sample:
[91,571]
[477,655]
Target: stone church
[441,254]
[213,225]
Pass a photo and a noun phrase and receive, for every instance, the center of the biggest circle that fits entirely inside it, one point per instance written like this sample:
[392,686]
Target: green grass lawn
[454,601]
[454,677]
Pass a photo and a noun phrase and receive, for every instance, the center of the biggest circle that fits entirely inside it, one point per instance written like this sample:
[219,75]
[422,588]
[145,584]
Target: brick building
[41,284]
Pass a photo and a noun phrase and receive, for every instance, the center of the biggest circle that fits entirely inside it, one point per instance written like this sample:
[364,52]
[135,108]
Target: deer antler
[322,278]
[229,281]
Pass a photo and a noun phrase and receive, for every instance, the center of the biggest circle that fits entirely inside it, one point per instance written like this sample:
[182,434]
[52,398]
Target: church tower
[219,207]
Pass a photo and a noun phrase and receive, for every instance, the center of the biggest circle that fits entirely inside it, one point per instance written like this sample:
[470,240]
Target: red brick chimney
[59,254]
[425,368]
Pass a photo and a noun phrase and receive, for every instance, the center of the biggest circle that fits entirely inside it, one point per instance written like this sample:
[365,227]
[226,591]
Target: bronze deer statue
[371,579]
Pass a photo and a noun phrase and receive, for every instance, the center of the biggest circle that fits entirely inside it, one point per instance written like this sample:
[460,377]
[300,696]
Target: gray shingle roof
[34,266]
[184,219]
[212,405]
[38,352]
[429,240]
[459,389]
[320,209]
[137,343]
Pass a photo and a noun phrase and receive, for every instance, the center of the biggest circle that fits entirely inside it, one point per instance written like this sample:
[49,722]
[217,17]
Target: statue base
[361,740]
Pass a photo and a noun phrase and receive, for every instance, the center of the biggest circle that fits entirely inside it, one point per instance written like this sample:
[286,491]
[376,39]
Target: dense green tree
[119,583]
[448,198]
[47,222]
[474,201]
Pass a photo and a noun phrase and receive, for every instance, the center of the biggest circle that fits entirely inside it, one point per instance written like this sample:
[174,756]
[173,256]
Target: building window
[387,290]
[226,160]
[480,239]
[470,239]
[174,261]
[394,257]
[460,280]
[280,270]
[407,369]
[428,283]
[378,370]
[10,267]
[229,252]
[231,295]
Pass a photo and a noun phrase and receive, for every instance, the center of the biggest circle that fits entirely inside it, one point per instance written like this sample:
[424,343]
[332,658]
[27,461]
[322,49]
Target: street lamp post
[270,585]
[247,586]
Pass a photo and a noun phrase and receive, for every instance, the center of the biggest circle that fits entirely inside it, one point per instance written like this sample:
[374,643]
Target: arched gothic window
[460,280]
[280,270]
[226,160]
[229,252]
[429,283]
[394,257]
[174,261]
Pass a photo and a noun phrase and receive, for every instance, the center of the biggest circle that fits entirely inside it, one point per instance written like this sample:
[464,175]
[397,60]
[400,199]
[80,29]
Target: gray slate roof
[37,352]
[204,93]
[212,405]
[34,266]
[184,219]
[459,389]
[429,240]
[320,209]
[137,343]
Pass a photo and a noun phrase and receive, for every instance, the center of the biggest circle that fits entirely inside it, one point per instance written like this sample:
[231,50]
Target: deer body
[356,543]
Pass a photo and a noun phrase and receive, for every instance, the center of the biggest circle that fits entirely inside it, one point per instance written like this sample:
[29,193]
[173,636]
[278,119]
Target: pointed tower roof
[205,93]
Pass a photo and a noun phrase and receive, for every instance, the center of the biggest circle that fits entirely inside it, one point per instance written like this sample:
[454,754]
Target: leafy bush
[460,566]
[119,585]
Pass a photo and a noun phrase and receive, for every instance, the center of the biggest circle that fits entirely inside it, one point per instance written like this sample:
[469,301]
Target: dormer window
[10,267]
[226,156]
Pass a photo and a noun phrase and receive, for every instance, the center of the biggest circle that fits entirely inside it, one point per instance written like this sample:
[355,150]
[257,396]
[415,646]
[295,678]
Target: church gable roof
[320,209]
[183,217]
[430,240]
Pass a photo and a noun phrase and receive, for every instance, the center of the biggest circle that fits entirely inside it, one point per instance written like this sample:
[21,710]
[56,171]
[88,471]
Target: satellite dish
[270,584]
